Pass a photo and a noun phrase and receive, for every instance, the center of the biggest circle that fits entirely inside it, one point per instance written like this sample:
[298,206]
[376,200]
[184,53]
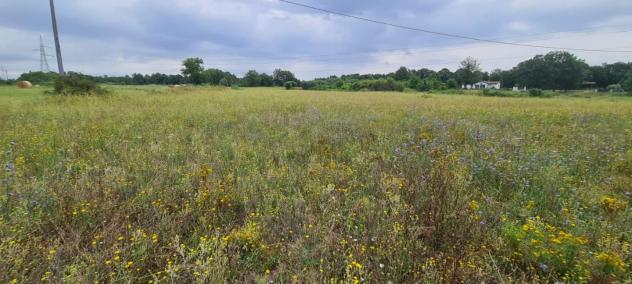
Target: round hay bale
[24,85]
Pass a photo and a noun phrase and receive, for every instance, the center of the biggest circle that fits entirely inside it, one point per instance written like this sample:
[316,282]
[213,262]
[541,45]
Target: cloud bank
[117,37]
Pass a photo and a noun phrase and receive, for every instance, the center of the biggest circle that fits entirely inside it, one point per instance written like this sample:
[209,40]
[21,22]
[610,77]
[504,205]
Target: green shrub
[536,92]
[627,82]
[493,93]
[39,78]
[290,85]
[452,83]
[74,85]
[616,88]
[224,82]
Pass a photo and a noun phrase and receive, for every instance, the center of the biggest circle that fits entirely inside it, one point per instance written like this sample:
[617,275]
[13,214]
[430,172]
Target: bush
[626,84]
[452,83]
[536,92]
[290,85]
[39,78]
[74,85]
[616,88]
[429,84]
[493,93]
[224,82]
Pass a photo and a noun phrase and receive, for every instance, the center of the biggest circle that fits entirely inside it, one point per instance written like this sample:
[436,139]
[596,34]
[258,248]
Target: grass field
[254,185]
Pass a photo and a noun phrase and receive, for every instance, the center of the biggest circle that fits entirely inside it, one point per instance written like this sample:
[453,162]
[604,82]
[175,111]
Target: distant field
[214,185]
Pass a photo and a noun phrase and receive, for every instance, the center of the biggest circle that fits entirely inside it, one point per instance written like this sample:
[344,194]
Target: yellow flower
[612,205]
[474,205]
[612,259]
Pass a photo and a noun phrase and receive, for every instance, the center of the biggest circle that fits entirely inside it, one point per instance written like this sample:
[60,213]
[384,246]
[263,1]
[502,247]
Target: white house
[487,85]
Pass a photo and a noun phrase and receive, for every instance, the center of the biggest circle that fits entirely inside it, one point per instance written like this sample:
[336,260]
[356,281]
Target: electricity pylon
[43,56]
[5,72]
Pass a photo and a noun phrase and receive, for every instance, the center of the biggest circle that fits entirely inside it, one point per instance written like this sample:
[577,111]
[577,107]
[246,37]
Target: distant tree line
[556,70]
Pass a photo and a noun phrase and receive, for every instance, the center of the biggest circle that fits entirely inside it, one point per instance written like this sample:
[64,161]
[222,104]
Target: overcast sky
[114,37]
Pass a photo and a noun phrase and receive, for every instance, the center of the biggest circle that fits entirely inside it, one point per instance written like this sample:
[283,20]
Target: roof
[489,82]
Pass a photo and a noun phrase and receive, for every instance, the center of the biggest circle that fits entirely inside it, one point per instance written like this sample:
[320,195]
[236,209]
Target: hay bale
[24,85]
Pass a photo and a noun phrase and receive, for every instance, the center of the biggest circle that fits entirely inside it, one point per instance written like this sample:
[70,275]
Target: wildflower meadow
[258,185]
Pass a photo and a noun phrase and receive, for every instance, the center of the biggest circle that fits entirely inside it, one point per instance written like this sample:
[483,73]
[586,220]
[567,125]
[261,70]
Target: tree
[138,79]
[414,82]
[39,78]
[213,76]
[279,77]
[616,72]
[557,70]
[445,74]
[251,79]
[452,83]
[627,81]
[402,74]
[266,80]
[470,71]
[193,68]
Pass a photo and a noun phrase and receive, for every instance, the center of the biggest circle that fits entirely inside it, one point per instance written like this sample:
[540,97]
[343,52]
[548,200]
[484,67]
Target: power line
[407,51]
[448,34]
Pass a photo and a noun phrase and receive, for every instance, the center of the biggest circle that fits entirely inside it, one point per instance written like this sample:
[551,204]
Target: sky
[118,37]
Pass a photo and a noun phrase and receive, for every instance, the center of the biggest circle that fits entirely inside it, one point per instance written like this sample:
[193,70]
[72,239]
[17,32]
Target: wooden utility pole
[60,63]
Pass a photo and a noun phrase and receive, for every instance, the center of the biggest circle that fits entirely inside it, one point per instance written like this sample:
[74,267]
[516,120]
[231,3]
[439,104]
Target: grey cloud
[112,37]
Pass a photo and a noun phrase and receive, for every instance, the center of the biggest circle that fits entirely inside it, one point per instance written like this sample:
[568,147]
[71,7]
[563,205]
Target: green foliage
[627,82]
[556,70]
[75,85]
[279,77]
[402,74]
[414,82]
[266,80]
[429,84]
[494,93]
[470,71]
[378,85]
[290,85]
[615,88]
[452,83]
[251,79]
[39,78]
[214,77]
[224,82]
[192,70]
[535,92]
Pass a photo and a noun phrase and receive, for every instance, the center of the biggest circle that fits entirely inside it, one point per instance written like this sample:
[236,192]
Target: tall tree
[445,74]
[627,81]
[557,70]
[281,76]
[402,74]
[251,79]
[193,68]
[470,71]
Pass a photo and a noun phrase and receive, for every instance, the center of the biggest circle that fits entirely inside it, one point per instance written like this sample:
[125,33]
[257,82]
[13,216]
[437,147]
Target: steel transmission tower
[60,63]
[43,56]
[5,72]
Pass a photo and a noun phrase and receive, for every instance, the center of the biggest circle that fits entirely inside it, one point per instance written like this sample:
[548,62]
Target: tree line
[556,70]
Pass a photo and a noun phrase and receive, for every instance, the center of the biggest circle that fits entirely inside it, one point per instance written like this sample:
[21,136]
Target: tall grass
[254,185]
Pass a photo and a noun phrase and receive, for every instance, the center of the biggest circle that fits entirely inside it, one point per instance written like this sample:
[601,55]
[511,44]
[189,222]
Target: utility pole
[60,63]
